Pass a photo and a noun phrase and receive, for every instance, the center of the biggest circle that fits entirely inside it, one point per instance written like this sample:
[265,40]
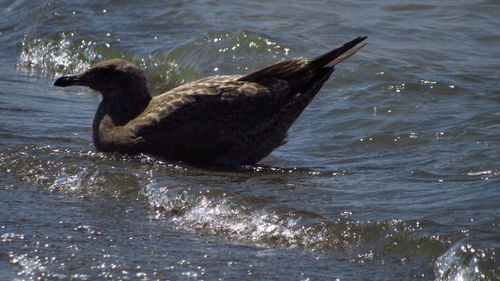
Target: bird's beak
[70,80]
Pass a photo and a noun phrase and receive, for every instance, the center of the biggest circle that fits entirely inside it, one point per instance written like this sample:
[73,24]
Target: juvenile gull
[221,120]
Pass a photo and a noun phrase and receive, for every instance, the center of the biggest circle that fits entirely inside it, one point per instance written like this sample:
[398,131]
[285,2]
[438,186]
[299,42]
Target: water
[392,173]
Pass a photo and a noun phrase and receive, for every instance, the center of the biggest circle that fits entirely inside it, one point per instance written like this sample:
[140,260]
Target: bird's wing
[205,118]
[260,92]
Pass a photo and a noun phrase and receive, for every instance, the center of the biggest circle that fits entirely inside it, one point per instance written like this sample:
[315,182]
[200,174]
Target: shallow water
[392,173]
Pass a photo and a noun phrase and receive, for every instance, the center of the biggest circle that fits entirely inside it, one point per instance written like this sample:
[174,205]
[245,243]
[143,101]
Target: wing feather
[219,98]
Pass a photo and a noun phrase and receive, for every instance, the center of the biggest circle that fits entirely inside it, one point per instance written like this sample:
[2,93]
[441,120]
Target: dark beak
[70,80]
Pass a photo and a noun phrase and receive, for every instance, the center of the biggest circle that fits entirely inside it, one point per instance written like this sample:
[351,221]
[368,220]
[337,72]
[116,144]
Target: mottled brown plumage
[221,120]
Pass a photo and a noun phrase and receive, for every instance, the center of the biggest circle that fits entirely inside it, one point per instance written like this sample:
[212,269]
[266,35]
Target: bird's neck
[114,112]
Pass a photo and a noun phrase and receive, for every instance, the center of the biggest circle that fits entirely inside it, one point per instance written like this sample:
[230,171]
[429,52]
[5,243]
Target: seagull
[225,120]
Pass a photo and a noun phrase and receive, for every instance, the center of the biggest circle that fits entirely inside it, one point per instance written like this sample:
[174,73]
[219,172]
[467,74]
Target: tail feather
[345,56]
[338,55]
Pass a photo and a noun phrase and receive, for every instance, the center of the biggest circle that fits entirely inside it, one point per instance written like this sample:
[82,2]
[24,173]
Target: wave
[171,194]
[463,261]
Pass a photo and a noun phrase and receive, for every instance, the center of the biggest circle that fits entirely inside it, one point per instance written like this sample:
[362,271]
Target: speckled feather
[223,120]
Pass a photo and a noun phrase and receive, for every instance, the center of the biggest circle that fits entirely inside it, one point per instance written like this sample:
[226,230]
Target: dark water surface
[392,173]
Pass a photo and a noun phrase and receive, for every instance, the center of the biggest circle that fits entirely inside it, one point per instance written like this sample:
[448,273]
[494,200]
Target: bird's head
[112,78]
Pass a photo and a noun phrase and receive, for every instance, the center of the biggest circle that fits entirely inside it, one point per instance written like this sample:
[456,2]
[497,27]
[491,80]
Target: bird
[224,120]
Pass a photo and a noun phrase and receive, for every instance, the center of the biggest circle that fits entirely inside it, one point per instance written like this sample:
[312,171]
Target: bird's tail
[338,55]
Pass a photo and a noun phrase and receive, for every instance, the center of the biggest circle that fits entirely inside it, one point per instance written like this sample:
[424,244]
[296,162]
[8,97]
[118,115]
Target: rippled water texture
[392,173]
